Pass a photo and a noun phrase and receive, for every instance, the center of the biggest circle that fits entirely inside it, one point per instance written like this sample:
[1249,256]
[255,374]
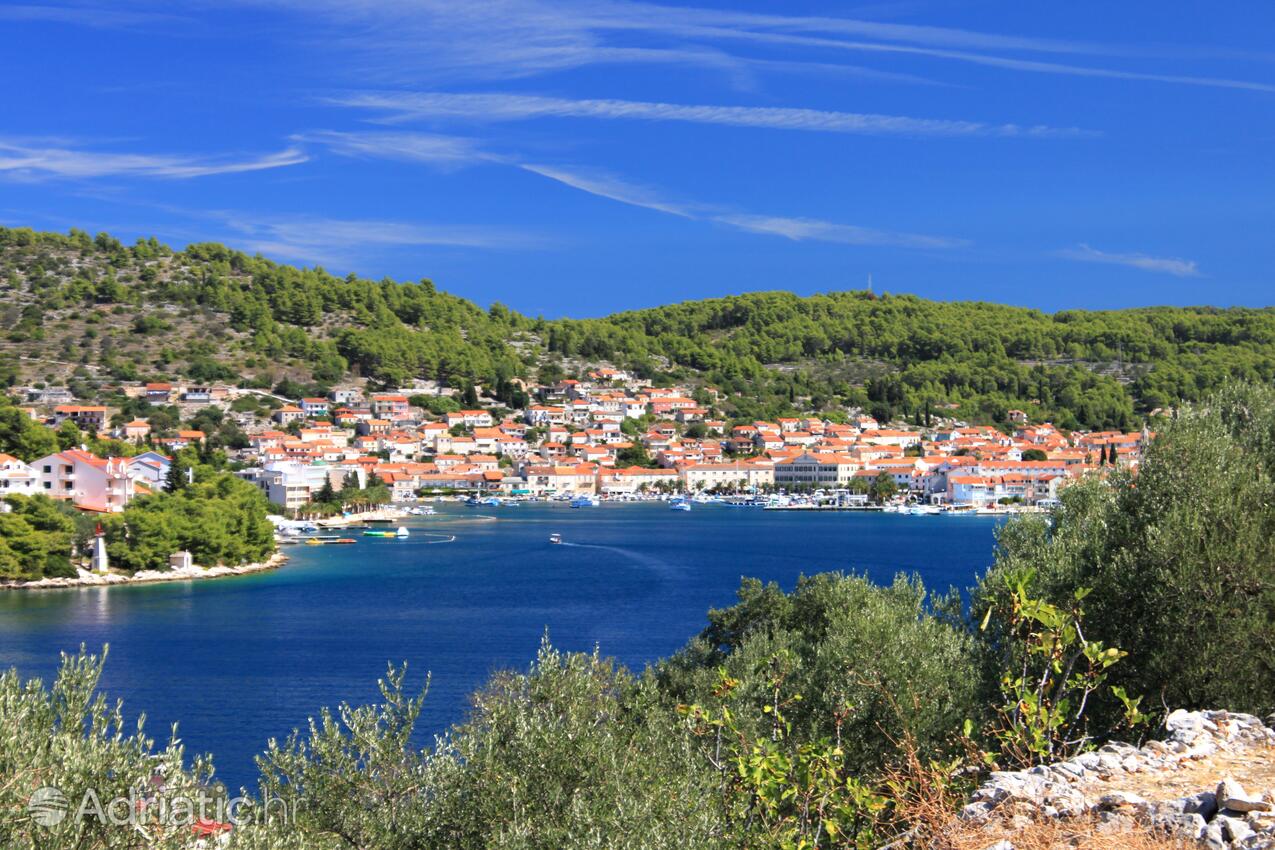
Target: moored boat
[400,533]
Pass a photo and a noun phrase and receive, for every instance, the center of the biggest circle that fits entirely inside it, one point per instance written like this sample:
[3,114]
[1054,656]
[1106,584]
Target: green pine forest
[91,311]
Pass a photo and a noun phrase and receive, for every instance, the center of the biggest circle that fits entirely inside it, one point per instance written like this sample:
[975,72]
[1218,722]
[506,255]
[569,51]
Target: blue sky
[575,157]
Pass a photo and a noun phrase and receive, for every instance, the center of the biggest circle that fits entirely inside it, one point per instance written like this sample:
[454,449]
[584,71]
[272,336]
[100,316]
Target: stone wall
[1220,813]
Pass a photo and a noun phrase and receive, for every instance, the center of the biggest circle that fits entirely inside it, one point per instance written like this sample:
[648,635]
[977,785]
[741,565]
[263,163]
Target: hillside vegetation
[94,310]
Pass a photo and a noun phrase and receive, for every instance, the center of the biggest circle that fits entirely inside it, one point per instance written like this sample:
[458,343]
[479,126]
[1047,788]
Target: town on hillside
[605,435]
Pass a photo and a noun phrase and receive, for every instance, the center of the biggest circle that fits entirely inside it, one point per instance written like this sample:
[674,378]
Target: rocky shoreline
[1183,786]
[89,579]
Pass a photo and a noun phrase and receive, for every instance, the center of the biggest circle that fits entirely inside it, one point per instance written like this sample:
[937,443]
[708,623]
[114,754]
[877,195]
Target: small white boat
[555,538]
[679,505]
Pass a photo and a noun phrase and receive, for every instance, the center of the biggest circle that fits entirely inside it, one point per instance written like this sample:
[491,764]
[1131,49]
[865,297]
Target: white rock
[1191,827]
[1109,763]
[1184,725]
[1231,795]
[1089,761]
[976,811]
[1234,829]
[1118,799]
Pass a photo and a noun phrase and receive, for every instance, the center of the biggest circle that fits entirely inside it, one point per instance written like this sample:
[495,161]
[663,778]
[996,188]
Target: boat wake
[650,562]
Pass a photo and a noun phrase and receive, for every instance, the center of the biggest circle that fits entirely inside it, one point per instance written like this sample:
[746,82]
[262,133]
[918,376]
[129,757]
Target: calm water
[241,659]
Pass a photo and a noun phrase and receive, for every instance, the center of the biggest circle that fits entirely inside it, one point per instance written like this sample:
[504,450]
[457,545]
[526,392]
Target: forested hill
[1081,367]
[94,311]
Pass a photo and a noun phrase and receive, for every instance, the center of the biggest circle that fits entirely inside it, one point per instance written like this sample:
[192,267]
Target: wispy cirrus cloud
[494,107]
[605,184]
[816,230]
[29,159]
[441,40]
[442,151]
[1175,266]
[339,242]
[483,40]
[94,16]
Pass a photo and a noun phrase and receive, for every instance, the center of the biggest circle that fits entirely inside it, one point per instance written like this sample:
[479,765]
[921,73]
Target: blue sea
[239,660]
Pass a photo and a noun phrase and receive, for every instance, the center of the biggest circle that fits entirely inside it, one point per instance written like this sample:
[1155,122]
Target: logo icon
[48,806]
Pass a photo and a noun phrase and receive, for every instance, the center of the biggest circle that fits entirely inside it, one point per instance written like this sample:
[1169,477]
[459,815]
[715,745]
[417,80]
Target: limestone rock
[1191,827]
[1231,795]
[1233,829]
[1000,845]
[1121,799]
[1203,804]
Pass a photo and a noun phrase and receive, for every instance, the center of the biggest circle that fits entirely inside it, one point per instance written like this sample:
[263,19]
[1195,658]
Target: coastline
[379,515]
[88,579]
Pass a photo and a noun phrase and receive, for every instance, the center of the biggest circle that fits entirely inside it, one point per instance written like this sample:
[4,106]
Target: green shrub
[875,662]
[1180,558]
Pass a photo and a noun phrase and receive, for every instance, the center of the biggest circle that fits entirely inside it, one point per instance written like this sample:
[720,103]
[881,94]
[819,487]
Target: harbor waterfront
[238,660]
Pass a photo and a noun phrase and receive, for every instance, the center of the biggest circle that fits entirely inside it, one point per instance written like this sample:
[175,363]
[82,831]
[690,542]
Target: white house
[16,478]
[314,406]
[88,481]
[581,478]
[291,484]
[149,469]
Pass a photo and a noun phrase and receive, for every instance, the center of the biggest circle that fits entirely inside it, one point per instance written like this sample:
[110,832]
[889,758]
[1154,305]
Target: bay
[236,661]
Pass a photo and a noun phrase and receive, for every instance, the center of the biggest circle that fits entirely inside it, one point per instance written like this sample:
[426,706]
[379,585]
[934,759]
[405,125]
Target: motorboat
[555,538]
[585,502]
[400,533]
[679,505]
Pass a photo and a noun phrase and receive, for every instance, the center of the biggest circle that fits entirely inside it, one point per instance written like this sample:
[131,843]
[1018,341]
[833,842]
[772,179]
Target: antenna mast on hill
[869,281]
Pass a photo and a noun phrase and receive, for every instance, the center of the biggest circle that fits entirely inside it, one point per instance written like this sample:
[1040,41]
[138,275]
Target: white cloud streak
[440,40]
[517,107]
[604,184]
[447,40]
[1163,265]
[29,160]
[815,230]
[445,152]
[87,16]
[608,186]
[330,241]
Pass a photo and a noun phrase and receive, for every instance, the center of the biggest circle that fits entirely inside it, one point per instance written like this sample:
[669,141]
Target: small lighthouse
[100,563]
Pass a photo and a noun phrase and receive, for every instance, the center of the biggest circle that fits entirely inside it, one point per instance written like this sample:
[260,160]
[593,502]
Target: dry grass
[1253,767]
[926,800]
[1077,834]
